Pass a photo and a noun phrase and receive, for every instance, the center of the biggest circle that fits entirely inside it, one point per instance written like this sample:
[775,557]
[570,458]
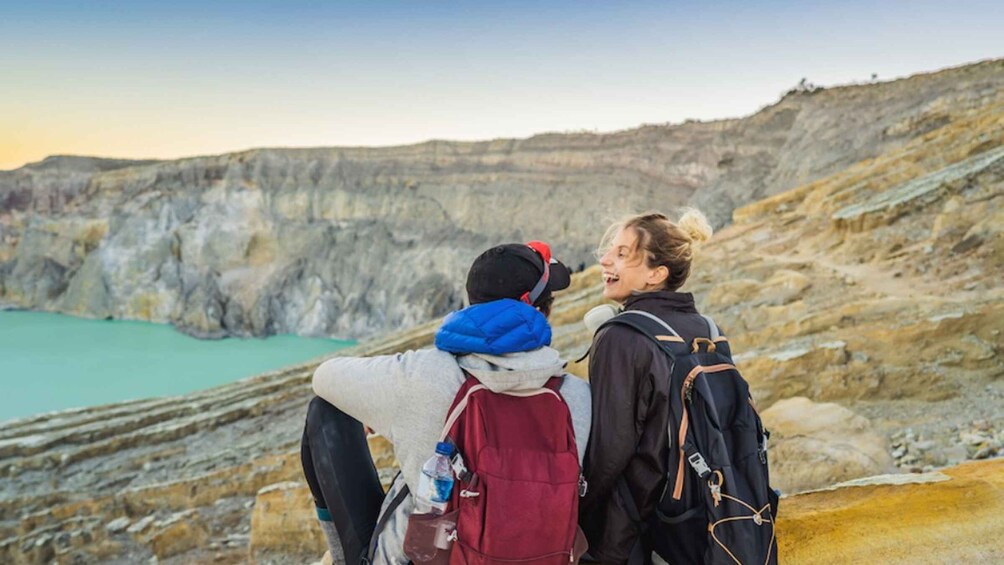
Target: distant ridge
[544,135]
[352,241]
[83,164]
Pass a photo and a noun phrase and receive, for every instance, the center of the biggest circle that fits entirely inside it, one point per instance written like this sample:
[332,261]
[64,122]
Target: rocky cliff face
[350,241]
[865,308]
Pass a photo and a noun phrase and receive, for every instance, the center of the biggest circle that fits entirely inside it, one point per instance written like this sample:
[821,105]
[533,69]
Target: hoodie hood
[494,328]
[513,371]
[503,343]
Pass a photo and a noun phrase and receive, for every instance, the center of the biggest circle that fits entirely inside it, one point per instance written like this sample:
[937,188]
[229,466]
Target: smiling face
[625,269]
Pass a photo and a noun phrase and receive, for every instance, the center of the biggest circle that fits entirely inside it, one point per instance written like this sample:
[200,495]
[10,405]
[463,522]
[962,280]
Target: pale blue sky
[171,79]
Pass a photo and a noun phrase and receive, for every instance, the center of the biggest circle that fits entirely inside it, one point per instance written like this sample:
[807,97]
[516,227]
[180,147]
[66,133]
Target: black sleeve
[620,396]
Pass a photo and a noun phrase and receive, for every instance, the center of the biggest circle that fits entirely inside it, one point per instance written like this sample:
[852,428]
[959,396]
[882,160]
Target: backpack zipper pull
[716,494]
[716,487]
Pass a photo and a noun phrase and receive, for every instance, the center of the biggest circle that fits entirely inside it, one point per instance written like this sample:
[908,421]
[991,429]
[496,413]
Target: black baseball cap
[521,271]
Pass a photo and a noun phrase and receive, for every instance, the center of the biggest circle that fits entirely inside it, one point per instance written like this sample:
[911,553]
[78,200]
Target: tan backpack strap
[458,410]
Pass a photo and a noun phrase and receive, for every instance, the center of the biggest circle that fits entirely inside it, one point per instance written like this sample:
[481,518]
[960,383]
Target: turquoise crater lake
[53,362]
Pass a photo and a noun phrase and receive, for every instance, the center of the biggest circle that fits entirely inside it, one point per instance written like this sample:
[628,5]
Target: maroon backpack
[516,495]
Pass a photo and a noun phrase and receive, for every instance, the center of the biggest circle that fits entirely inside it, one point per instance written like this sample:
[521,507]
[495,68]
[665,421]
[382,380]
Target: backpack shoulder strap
[712,328]
[652,327]
[470,386]
[720,341]
[659,321]
[385,517]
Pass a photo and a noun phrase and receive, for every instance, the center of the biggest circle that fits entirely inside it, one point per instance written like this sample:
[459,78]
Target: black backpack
[717,506]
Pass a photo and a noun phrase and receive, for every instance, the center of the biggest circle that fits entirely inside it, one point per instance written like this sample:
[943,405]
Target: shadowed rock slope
[872,294]
[351,241]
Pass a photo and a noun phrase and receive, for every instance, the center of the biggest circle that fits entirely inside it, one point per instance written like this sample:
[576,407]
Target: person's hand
[369,430]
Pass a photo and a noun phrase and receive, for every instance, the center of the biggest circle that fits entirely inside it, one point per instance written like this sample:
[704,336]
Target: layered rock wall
[350,241]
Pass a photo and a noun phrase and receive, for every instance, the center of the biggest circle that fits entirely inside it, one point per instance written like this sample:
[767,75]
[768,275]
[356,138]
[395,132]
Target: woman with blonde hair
[646,259]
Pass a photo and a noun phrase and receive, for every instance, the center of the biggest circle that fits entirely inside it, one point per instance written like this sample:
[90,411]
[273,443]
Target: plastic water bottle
[436,482]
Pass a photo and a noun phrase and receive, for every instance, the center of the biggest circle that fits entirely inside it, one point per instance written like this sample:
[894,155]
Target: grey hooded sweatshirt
[405,398]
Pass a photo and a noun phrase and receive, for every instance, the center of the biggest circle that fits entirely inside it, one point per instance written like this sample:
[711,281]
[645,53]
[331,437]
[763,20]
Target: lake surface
[52,362]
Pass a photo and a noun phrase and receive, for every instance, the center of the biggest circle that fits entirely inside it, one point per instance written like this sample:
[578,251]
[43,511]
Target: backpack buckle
[583,485]
[459,469]
[697,461]
[762,451]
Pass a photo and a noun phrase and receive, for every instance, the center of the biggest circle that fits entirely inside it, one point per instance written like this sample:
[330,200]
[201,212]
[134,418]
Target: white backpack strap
[458,410]
[532,392]
[713,329]
[655,318]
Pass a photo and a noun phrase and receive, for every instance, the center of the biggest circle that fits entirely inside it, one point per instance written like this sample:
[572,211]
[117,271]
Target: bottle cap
[444,448]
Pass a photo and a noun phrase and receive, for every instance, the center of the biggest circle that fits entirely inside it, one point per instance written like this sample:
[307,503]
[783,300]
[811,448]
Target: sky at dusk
[176,78]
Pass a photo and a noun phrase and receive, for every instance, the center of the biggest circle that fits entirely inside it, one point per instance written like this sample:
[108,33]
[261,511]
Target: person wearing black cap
[502,339]
[501,272]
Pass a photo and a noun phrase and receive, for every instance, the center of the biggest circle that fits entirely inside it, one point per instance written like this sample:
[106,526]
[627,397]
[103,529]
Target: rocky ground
[948,436]
[171,478]
[865,308]
[954,515]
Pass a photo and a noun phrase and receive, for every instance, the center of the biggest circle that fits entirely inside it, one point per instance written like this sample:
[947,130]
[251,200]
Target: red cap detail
[542,248]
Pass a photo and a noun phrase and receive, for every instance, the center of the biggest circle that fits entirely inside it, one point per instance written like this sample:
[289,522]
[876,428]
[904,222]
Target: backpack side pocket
[429,537]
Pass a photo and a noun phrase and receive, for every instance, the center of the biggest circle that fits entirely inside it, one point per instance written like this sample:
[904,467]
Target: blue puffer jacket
[496,327]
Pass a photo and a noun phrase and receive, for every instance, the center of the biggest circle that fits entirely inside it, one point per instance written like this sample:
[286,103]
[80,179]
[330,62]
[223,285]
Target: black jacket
[629,376]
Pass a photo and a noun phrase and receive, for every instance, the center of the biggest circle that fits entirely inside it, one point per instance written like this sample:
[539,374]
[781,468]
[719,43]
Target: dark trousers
[342,478]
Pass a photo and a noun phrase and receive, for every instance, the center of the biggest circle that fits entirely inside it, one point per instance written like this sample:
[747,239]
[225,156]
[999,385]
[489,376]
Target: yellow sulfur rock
[177,534]
[955,516]
[284,523]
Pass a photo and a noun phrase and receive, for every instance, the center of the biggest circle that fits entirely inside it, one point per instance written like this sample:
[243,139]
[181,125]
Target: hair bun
[694,224]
